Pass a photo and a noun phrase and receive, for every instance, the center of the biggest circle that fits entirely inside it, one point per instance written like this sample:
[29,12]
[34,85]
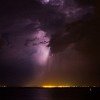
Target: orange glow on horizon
[62,86]
[54,86]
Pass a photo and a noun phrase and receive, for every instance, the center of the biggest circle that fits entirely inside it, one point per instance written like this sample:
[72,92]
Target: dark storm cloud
[84,34]
[18,22]
[67,22]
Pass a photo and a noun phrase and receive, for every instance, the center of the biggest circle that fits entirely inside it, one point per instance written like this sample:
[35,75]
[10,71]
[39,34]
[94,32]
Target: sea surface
[49,93]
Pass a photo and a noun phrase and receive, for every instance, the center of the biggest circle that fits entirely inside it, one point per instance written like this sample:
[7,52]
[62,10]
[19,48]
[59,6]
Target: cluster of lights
[60,86]
[52,86]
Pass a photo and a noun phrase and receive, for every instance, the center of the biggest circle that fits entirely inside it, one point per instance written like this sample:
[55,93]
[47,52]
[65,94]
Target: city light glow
[54,86]
[63,86]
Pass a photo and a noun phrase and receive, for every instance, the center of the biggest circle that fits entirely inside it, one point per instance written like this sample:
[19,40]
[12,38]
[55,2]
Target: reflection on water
[48,94]
[42,94]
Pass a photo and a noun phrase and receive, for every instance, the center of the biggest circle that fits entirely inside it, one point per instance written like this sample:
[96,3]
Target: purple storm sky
[48,42]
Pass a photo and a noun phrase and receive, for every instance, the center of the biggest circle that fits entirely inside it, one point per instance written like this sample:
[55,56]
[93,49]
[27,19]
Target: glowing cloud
[45,1]
[42,51]
[42,54]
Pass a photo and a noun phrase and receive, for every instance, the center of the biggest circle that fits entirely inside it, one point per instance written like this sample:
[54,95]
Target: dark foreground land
[84,93]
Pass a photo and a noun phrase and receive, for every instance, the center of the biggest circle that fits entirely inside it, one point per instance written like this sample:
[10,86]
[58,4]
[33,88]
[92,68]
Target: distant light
[3,86]
[90,90]
[52,86]
[63,86]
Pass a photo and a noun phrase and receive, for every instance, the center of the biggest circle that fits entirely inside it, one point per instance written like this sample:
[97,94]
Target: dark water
[49,94]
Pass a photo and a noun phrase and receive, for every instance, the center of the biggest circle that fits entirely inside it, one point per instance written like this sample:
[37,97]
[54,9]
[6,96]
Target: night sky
[49,42]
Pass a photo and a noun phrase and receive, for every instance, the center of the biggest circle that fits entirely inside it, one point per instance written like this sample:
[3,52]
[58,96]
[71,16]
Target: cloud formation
[26,28]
